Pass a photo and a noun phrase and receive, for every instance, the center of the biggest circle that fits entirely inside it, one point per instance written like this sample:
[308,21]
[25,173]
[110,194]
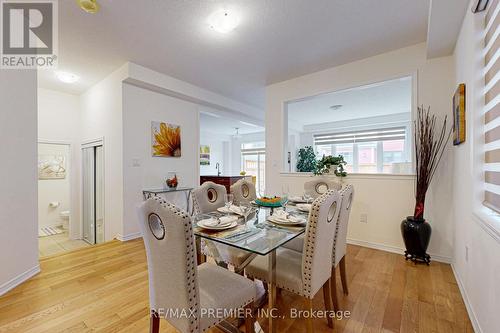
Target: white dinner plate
[304,207]
[297,199]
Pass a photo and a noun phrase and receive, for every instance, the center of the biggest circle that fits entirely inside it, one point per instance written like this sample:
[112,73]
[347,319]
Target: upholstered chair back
[208,197]
[171,256]
[320,185]
[340,241]
[243,191]
[318,241]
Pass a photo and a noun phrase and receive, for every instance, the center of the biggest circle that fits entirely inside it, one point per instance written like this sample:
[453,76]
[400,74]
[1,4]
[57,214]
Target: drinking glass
[245,208]
[228,201]
[307,197]
[285,189]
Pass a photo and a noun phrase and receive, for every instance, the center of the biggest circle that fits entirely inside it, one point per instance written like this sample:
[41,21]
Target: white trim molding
[394,249]
[11,284]
[468,304]
[124,238]
[380,176]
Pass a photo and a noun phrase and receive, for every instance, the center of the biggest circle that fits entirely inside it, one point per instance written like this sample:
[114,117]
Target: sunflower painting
[165,139]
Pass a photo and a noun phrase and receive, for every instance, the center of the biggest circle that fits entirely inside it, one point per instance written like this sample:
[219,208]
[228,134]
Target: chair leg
[333,287]
[249,319]
[343,276]
[309,321]
[328,304]
[154,322]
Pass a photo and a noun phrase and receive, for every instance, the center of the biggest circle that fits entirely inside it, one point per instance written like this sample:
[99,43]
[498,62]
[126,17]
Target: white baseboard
[9,285]
[468,305]
[124,238]
[395,249]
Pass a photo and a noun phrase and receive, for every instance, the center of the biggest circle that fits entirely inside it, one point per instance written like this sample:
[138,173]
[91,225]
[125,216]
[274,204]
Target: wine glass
[285,189]
[245,209]
[228,201]
[307,197]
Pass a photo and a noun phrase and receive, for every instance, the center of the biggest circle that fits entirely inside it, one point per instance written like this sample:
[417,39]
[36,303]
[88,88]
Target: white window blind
[492,106]
[394,133]
[252,151]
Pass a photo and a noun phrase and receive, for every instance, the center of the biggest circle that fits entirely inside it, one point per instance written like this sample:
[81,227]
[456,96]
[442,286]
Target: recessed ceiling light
[90,6]
[223,20]
[335,107]
[67,77]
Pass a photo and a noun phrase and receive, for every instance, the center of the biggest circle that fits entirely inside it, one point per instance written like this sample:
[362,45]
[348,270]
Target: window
[492,110]
[369,151]
[369,125]
[253,157]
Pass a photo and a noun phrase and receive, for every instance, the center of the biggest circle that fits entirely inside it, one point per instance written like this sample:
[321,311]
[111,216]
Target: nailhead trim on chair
[343,192]
[310,244]
[191,263]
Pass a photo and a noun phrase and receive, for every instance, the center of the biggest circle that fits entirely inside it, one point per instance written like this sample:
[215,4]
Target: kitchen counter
[227,181]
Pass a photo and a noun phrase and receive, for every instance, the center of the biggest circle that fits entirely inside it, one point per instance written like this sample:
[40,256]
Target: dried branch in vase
[430,143]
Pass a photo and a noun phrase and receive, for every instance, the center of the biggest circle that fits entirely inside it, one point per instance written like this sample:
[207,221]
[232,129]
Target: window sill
[397,176]
[489,221]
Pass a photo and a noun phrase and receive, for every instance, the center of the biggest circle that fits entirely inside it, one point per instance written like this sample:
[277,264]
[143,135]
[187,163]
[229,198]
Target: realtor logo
[28,34]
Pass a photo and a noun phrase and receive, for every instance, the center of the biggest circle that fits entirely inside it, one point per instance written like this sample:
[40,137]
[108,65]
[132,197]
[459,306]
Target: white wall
[478,276]
[435,87]
[59,121]
[18,178]
[140,107]
[101,117]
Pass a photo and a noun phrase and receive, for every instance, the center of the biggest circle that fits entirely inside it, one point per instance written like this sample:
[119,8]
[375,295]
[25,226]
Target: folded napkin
[283,216]
[222,221]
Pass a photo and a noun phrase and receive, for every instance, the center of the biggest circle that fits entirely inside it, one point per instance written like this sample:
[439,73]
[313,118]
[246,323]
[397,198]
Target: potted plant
[329,163]
[430,142]
[306,159]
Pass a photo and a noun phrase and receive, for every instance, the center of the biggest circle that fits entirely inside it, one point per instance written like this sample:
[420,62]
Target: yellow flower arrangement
[167,140]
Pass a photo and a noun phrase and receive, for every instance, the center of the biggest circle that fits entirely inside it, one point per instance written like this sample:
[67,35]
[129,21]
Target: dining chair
[304,273]
[320,185]
[340,243]
[180,291]
[206,199]
[243,191]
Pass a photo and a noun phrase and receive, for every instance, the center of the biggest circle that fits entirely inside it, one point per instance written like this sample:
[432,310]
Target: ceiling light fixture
[335,107]
[237,135]
[223,20]
[90,6]
[67,77]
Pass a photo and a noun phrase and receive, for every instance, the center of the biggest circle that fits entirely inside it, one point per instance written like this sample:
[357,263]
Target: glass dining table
[257,236]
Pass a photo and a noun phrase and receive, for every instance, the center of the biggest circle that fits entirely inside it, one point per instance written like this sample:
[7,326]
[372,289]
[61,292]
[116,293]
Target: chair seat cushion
[228,254]
[288,270]
[221,289]
[296,244]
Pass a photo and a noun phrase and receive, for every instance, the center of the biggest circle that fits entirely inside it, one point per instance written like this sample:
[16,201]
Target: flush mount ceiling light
[223,20]
[335,107]
[237,135]
[67,77]
[90,6]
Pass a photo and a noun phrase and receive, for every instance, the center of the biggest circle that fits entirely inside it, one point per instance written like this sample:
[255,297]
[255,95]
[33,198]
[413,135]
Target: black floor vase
[416,234]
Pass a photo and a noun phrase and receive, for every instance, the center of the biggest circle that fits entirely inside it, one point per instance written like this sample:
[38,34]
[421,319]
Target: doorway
[93,192]
[54,199]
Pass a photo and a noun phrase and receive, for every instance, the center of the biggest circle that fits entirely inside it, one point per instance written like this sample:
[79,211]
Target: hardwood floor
[104,288]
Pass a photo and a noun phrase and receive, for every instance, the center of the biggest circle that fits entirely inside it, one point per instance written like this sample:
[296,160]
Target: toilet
[65,219]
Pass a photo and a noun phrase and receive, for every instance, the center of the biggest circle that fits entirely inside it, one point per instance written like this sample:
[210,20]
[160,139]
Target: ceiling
[275,41]
[379,99]
[218,124]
